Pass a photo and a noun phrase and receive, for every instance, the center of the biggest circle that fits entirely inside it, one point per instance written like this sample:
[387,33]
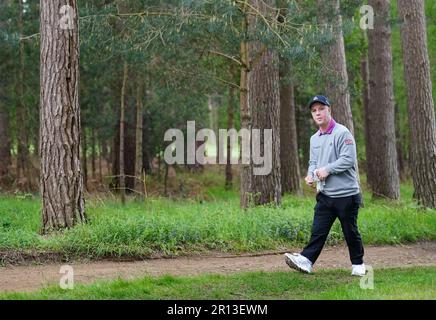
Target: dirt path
[28,278]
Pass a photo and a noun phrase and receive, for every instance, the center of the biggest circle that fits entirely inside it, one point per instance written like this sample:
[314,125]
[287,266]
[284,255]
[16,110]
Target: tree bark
[230,125]
[365,100]
[420,100]
[122,126]
[5,146]
[23,174]
[264,112]
[84,158]
[166,180]
[129,146]
[109,155]
[400,148]
[289,160]
[100,164]
[93,153]
[138,139]
[246,170]
[381,153]
[61,186]
[335,65]
[105,153]
[304,132]
[212,104]
[115,157]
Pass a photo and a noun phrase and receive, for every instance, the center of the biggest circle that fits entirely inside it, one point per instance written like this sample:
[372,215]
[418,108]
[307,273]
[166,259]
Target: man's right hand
[309,181]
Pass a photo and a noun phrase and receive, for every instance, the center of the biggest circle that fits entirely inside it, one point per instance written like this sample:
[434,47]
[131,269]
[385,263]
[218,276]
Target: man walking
[332,167]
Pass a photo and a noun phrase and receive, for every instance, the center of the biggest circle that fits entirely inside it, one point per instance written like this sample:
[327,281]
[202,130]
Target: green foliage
[184,51]
[10,65]
[174,227]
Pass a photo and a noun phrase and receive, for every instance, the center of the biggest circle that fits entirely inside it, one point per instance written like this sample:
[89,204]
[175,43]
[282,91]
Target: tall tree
[263,103]
[84,158]
[23,163]
[289,160]
[138,138]
[213,105]
[402,162]
[61,185]
[93,153]
[5,146]
[421,112]
[230,125]
[364,72]
[333,59]
[246,170]
[122,133]
[381,153]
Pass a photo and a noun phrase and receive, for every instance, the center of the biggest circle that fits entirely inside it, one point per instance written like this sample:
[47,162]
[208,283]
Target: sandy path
[29,278]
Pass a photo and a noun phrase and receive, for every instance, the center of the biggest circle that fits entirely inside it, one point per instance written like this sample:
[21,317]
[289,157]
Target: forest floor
[26,278]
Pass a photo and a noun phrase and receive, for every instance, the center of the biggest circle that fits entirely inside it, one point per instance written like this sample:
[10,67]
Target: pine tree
[420,100]
[61,185]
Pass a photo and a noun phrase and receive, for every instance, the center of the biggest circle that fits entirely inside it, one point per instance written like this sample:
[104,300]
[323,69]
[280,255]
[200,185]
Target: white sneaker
[298,262]
[358,270]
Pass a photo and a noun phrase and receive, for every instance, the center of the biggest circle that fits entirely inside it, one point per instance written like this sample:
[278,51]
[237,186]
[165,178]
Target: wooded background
[85,108]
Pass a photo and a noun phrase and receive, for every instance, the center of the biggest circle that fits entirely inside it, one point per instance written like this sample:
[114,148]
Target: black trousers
[327,209]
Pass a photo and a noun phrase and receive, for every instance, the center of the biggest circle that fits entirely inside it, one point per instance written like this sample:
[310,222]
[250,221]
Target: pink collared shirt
[329,128]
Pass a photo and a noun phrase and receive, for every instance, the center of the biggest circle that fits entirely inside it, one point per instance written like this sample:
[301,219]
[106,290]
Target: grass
[394,283]
[212,220]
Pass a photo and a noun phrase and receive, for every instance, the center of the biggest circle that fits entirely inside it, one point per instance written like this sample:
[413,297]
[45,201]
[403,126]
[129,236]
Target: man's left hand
[322,174]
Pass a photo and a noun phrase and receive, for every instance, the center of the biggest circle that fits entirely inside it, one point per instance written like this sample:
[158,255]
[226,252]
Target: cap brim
[317,101]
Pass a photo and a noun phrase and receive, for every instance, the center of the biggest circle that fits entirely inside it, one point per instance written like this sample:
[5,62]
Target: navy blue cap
[320,99]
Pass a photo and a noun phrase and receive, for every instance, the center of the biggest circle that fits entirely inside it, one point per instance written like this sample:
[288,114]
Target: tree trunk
[5,146]
[420,101]
[100,165]
[213,122]
[365,99]
[93,155]
[159,162]
[129,146]
[122,126]
[381,154]
[289,160]
[230,125]
[264,106]
[138,139]
[105,153]
[109,156]
[246,172]
[305,130]
[63,203]
[166,180]
[23,175]
[84,158]
[35,133]
[400,148]
[335,65]
[115,157]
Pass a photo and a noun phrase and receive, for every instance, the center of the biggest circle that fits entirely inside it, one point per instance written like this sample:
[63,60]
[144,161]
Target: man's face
[321,114]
